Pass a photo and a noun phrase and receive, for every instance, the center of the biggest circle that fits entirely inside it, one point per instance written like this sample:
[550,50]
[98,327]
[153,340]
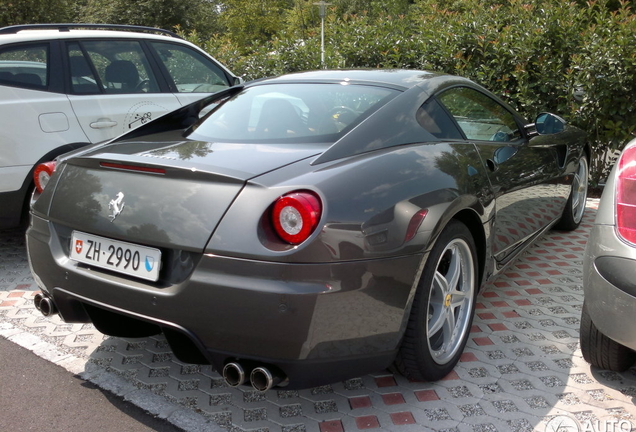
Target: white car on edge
[63,86]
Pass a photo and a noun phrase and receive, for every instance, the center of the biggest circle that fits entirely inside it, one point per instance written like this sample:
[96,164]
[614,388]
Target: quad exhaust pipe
[44,304]
[261,378]
[234,374]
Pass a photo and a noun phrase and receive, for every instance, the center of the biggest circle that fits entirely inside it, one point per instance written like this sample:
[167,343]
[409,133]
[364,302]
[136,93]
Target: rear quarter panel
[368,201]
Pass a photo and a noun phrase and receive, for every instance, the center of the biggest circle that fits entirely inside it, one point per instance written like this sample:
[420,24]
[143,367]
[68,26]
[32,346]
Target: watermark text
[563,423]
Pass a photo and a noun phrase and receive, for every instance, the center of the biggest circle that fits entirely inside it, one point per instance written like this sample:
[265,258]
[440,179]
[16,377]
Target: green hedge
[534,54]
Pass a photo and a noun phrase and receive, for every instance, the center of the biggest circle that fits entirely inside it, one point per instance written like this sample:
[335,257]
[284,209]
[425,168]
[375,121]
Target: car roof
[402,78]
[27,33]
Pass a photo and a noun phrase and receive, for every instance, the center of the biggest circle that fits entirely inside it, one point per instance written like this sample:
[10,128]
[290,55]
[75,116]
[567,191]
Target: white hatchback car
[63,86]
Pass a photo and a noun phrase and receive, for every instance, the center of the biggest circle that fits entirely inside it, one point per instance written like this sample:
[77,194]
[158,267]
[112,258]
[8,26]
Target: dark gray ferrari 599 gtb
[305,229]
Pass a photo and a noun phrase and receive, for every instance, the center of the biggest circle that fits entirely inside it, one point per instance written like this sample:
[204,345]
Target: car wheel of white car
[601,351]
[575,207]
[443,307]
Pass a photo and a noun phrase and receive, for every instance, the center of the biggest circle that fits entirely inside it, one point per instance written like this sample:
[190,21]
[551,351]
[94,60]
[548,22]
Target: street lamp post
[323,12]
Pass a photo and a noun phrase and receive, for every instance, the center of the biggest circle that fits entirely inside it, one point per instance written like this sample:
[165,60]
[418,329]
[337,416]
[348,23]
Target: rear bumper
[12,177]
[318,323]
[610,285]
[13,206]
[11,209]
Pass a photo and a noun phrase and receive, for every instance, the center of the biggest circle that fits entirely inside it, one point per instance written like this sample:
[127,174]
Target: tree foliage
[188,15]
[14,12]
[253,23]
[533,53]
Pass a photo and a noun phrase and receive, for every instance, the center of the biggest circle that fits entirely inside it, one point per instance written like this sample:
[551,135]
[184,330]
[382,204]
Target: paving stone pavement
[521,368]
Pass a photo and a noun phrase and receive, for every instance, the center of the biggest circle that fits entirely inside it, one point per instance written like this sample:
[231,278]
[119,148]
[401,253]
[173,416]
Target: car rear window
[291,113]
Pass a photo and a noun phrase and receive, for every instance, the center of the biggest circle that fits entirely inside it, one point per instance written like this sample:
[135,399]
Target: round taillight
[296,215]
[42,174]
[626,195]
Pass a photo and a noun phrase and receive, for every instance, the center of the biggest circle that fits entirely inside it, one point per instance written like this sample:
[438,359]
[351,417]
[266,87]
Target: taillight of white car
[295,216]
[626,194]
[42,174]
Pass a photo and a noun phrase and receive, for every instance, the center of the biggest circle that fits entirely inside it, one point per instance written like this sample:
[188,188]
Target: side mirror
[547,124]
[238,81]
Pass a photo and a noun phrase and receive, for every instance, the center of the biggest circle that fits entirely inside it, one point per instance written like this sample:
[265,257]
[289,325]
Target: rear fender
[368,203]
[28,184]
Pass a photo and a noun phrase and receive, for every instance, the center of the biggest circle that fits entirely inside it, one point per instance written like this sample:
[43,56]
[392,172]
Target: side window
[83,80]
[479,116]
[25,66]
[432,117]
[190,71]
[121,66]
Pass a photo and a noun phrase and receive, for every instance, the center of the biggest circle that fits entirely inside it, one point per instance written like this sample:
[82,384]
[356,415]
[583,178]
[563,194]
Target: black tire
[25,217]
[575,207]
[430,355]
[601,351]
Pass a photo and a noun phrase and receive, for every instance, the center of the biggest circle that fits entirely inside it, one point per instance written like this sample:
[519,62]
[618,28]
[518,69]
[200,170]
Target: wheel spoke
[576,192]
[440,287]
[579,191]
[442,284]
[436,304]
[583,181]
[458,299]
[436,321]
[449,331]
[445,323]
[454,271]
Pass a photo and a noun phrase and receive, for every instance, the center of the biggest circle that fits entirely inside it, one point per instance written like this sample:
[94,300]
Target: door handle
[103,124]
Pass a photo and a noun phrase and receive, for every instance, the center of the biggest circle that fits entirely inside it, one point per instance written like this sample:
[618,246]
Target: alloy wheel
[579,190]
[451,301]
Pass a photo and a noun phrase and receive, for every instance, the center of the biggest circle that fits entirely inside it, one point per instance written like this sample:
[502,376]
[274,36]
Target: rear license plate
[127,258]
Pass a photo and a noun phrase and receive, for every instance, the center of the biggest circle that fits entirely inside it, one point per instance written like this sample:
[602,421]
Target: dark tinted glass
[122,66]
[432,117]
[479,116]
[25,66]
[190,71]
[291,112]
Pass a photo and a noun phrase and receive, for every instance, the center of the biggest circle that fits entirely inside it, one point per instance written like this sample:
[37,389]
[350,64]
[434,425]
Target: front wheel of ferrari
[575,207]
[443,307]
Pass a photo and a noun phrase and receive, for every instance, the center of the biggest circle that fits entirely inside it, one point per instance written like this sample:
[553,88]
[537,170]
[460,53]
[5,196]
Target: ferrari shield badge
[116,205]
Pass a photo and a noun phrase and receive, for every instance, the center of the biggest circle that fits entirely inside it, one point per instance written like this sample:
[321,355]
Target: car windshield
[291,113]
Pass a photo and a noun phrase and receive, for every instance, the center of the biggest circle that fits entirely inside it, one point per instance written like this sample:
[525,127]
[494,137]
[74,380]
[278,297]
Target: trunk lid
[172,196]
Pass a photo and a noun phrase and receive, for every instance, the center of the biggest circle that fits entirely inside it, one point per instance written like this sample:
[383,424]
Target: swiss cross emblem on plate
[79,244]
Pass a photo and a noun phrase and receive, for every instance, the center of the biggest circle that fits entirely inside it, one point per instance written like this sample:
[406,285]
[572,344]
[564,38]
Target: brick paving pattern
[521,368]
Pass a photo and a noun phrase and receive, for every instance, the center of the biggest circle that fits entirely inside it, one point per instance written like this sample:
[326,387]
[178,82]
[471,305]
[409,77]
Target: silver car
[608,330]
